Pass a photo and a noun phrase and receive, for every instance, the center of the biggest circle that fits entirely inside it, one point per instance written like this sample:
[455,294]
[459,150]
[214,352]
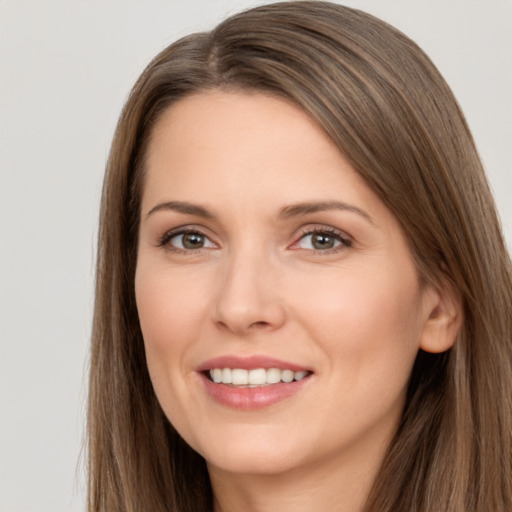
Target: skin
[355,314]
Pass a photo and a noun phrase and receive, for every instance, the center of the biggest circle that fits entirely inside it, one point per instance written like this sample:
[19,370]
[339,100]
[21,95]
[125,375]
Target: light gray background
[65,70]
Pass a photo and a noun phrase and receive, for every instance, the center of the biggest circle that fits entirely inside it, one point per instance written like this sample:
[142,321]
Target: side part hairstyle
[385,105]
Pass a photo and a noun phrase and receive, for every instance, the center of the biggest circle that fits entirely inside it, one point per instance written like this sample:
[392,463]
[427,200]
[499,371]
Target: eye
[186,240]
[322,240]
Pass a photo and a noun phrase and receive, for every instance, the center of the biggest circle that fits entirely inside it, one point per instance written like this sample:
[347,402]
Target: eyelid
[163,240]
[345,239]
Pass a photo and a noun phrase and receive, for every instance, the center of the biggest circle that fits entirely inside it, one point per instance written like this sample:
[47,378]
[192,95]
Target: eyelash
[339,236]
[167,237]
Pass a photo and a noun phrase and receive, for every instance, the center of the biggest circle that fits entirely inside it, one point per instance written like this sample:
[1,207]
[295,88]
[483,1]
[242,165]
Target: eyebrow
[294,210]
[182,207]
[321,206]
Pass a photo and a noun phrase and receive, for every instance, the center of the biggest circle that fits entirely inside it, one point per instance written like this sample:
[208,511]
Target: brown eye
[188,240]
[322,241]
[192,240]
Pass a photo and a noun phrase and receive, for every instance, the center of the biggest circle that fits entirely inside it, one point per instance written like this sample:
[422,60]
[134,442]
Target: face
[279,303]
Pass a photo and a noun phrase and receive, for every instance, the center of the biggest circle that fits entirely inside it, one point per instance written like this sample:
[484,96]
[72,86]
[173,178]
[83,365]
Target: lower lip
[250,399]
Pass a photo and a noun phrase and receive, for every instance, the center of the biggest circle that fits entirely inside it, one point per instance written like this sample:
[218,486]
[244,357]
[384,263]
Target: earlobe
[444,316]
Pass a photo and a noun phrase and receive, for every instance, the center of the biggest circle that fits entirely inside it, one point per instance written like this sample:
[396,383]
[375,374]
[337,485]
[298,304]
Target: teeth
[287,376]
[257,377]
[216,375]
[226,376]
[299,375]
[273,375]
[239,377]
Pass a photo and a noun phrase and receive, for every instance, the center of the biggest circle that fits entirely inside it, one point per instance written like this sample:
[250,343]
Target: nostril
[259,324]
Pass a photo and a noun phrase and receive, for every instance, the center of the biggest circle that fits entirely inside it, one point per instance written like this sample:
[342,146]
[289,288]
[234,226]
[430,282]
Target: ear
[444,316]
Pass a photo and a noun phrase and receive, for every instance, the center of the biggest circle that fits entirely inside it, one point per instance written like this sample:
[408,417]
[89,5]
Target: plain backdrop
[65,70]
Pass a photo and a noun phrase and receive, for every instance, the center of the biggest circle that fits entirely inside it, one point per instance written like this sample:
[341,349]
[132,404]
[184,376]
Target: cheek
[170,311]
[370,321]
[169,307]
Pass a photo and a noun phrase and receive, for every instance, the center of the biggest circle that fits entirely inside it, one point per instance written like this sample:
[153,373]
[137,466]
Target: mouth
[252,383]
[257,377]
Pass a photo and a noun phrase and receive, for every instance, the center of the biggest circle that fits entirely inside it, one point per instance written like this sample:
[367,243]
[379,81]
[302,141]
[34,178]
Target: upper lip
[249,363]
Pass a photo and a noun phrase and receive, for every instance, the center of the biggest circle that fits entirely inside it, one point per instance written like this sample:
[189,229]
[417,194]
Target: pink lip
[249,363]
[250,398]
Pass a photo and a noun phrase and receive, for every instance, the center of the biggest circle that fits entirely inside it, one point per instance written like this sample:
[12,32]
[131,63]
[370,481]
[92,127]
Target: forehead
[255,125]
[246,151]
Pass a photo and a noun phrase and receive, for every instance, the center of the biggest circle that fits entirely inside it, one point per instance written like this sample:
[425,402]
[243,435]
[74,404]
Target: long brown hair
[385,105]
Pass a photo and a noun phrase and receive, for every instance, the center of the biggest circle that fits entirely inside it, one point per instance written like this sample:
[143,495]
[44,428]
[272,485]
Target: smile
[254,382]
[258,377]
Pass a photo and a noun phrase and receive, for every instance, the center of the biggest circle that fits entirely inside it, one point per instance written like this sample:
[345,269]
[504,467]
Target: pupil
[193,240]
[322,241]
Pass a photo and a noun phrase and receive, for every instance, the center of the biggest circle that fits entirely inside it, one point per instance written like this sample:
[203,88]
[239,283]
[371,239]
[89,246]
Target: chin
[253,455]
[260,464]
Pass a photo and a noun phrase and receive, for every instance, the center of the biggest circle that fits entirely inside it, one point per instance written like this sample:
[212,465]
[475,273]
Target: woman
[303,296]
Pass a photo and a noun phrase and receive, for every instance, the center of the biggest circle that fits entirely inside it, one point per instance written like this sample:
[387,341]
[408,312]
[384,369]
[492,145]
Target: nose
[248,297]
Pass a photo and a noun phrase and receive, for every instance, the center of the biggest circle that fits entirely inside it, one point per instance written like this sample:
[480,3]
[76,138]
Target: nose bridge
[247,296]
